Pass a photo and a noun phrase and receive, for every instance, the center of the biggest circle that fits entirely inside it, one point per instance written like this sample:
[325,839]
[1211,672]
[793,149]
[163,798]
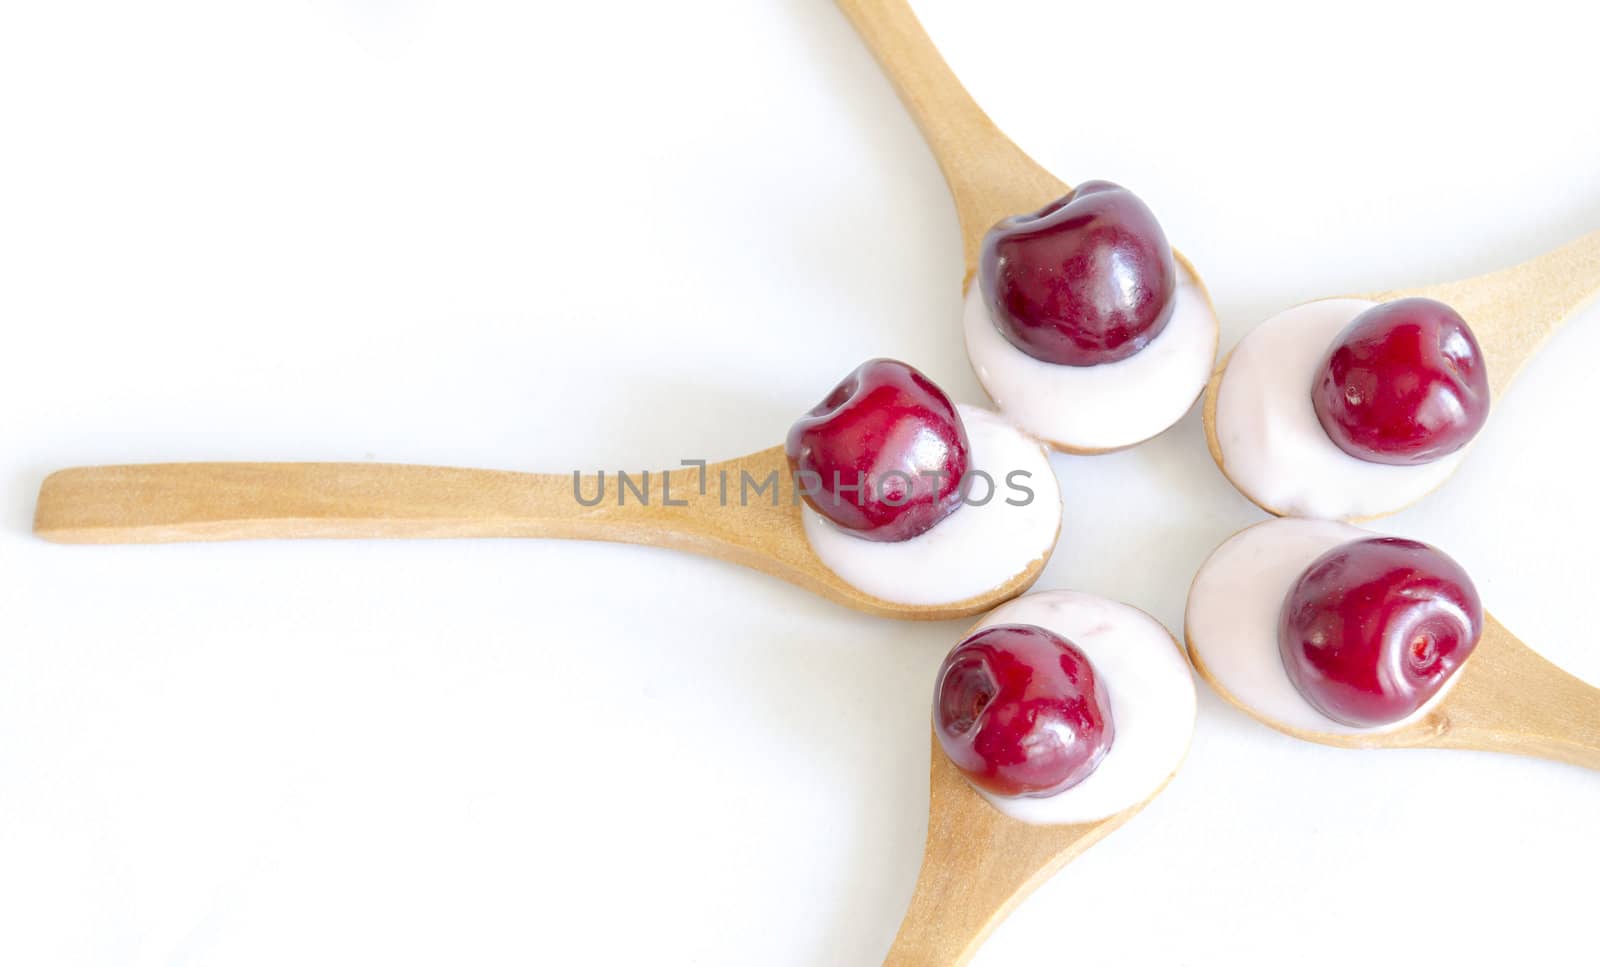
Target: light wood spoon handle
[978,865]
[990,178]
[158,503]
[1513,311]
[1510,699]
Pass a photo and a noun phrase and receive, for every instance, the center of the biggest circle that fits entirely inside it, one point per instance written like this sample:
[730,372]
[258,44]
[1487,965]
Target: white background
[623,234]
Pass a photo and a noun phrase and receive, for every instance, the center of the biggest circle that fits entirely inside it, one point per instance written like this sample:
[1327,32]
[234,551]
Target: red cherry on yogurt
[1374,628]
[1405,383]
[1087,279]
[1021,712]
[883,455]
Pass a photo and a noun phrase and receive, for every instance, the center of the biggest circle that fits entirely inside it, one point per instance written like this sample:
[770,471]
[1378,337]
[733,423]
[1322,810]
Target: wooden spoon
[989,177]
[1506,698]
[685,509]
[979,864]
[1512,313]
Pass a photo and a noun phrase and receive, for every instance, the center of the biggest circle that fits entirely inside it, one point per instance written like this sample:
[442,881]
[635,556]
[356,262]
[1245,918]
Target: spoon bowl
[709,511]
[1512,313]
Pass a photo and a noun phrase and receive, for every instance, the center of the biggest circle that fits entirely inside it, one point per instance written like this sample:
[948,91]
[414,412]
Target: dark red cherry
[1087,279]
[883,455]
[1374,628]
[1404,383]
[1021,712]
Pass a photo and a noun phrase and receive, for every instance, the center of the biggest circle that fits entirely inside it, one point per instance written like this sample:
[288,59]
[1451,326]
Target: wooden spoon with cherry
[987,850]
[1310,415]
[1504,697]
[958,550]
[1076,398]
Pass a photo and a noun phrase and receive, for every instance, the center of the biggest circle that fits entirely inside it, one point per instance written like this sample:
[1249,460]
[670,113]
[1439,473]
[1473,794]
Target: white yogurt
[1232,621]
[1274,448]
[1099,407]
[1152,700]
[974,550]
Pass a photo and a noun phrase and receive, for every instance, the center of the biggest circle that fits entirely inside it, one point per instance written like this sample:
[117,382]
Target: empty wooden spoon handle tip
[1511,699]
[989,176]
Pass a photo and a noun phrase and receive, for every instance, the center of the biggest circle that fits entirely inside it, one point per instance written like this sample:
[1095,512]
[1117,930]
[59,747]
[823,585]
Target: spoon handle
[1512,700]
[990,177]
[160,503]
[977,866]
[1513,311]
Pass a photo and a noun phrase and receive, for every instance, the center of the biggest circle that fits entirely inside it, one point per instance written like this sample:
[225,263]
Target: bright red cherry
[1373,629]
[1087,279]
[1404,383]
[1021,712]
[887,450]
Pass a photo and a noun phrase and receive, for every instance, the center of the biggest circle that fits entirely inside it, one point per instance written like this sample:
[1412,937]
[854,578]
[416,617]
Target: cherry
[1375,627]
[1021,712]
[1087,279]
[883,455]
[1405,383]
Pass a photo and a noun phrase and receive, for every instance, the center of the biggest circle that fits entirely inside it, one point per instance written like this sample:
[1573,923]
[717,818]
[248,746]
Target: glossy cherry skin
[883,455]
[1021,712]
[1405,383]
[1375,627]
[1087,279]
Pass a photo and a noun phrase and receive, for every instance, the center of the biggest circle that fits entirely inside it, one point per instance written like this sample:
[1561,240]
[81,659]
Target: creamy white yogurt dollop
[1232,620]
[1273,446]
[1149,688]
[976,549]
[1101,407]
